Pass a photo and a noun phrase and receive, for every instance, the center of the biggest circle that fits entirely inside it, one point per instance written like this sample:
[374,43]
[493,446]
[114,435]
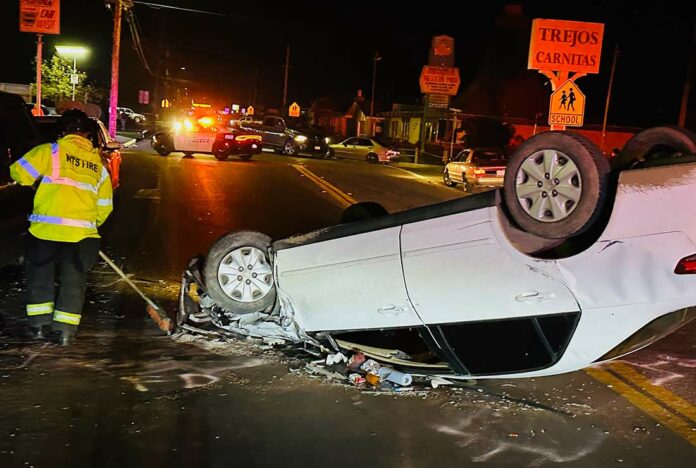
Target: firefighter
[73,198]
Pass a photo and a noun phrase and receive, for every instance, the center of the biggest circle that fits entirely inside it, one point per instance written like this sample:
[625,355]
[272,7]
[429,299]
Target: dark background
[332,47]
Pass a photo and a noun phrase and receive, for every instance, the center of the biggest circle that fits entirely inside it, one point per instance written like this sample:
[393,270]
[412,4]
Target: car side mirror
[345,144]
[113,146]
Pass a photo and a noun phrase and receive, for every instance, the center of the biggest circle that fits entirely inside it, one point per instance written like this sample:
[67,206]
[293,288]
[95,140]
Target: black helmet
[74,121]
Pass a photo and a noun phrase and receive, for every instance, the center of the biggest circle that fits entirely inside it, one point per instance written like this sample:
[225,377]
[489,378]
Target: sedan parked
[365,149]
[476,167]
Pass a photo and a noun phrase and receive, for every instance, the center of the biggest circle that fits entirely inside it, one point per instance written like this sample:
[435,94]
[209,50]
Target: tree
[56,86]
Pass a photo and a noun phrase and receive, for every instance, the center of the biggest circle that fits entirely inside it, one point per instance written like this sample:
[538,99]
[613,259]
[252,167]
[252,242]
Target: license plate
[317,148]
[500,173]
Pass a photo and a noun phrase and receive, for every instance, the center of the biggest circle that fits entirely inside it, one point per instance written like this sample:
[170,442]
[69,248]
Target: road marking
[407,171]
[343,198]
[665,396]
[678,423]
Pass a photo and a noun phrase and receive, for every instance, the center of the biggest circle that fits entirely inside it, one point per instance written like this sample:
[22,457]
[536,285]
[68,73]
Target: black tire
[654,142]
[371,158]
[467,186]
[289,148]
[592,178]
[330,154]
[225,245]
[362,210]
[446,179]
[221,155]
[188,154]
[163,150]
[245,157]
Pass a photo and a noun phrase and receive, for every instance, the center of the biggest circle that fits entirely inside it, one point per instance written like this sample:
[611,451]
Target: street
[126,395]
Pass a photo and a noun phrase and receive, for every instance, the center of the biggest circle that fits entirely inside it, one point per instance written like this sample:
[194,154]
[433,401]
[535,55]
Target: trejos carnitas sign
[571,46]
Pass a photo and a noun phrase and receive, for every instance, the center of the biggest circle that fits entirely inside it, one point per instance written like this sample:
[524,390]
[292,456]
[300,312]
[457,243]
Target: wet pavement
[125,395]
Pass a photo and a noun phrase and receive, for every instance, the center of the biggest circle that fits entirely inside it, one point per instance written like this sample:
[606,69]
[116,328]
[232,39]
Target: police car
[206,135]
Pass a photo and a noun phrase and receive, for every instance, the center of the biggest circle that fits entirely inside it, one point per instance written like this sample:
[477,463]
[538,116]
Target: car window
[351,141]
[489,157]
[364,142]
[462,156]
[268,121]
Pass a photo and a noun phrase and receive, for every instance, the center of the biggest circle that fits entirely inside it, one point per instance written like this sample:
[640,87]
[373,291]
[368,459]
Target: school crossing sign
[567,105]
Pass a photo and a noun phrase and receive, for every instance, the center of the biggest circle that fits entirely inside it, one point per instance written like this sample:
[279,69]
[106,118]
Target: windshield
[489,157]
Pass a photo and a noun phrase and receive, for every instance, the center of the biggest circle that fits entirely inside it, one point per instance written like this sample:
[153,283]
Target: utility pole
[39,62]
[606,104]
[118,6]
[285,81]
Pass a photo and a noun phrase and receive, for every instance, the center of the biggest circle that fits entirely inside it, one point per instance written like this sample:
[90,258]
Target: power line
[190,10]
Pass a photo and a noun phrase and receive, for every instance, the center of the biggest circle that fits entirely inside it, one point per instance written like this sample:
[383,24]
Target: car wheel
[221,155]
[245,157]
[371,158]
[652,143]
[163,150]
[238,273]
[555,184]
[330,154]
[137,120]
[362,210]
[289,148]
[467,186]
[446,179]
[188,154]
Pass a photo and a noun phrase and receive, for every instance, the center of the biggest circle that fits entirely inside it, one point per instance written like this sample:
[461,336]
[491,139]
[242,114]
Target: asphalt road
[125,395]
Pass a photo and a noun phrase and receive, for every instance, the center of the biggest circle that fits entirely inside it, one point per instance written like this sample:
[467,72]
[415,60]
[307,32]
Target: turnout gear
[73,198]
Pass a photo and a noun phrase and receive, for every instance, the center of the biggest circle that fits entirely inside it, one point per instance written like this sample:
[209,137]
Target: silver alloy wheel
[245,275]
[549,185]
[289,148]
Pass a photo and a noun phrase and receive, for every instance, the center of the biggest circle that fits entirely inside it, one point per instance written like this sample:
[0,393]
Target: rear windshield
[489,157]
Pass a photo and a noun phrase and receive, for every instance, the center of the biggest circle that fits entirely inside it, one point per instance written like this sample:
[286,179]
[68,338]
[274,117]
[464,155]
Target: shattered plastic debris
[332,359]
[370,366]
[435,382]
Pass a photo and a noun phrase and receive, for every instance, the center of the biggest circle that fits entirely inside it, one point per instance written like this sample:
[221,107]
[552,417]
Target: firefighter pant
[64,263]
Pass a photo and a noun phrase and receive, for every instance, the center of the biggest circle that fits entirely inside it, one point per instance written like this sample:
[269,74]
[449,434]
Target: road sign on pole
[439,80]
[40,17]
[294,110]
[250,110]
[567,105]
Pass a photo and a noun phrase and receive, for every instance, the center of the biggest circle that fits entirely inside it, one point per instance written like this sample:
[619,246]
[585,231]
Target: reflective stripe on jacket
[74,195]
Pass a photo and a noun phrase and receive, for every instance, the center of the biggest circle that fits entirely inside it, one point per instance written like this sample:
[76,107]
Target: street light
[72,52]
[375,59]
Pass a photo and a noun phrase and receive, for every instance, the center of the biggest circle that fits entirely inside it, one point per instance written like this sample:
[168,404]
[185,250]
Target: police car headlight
[300,138]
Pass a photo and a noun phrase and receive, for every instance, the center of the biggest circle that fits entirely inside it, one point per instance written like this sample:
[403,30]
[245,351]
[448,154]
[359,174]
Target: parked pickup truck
[283,139]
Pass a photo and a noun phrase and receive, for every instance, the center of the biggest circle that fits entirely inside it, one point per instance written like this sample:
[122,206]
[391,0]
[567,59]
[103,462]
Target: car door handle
[534,297]
[391,309]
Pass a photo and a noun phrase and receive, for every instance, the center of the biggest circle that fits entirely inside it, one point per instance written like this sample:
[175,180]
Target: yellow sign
[250,110]
[439,80]
[572,46]
[39,16]
[294,110]
[165,103]
[567,106]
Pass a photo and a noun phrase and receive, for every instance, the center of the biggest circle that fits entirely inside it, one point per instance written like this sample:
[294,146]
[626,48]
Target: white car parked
[362,148]
[524,281]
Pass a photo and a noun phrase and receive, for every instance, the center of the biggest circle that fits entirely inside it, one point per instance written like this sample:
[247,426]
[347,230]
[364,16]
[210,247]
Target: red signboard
[571,46]
[39,16]
[439,80]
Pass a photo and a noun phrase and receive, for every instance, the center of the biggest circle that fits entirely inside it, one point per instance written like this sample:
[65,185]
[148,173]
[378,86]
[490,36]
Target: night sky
[332,46]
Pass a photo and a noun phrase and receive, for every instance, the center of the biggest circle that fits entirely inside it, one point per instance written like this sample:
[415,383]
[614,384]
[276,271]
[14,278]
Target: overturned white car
[570,264]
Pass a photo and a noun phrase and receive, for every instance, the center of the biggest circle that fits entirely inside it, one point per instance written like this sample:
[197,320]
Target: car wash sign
[569,46]
[39,16]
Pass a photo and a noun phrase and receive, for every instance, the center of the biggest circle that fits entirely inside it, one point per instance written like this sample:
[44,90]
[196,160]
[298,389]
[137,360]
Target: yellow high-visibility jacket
[74,196]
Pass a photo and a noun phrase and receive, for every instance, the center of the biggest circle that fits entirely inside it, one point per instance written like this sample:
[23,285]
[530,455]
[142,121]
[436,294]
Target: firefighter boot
[64,333]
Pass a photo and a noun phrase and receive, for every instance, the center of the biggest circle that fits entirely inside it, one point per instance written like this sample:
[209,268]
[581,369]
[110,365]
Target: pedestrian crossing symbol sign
[567,106]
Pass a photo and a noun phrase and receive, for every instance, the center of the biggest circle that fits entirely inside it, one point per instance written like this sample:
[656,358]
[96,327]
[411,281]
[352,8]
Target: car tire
[137,120]
[446,179]
[221,155]
[652,142]
[555,184]
[467,186]
[372,158]
[163,150]
[247,250]
[330,154]
[188,154]
[289,148]
[362,210]
[245,157]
